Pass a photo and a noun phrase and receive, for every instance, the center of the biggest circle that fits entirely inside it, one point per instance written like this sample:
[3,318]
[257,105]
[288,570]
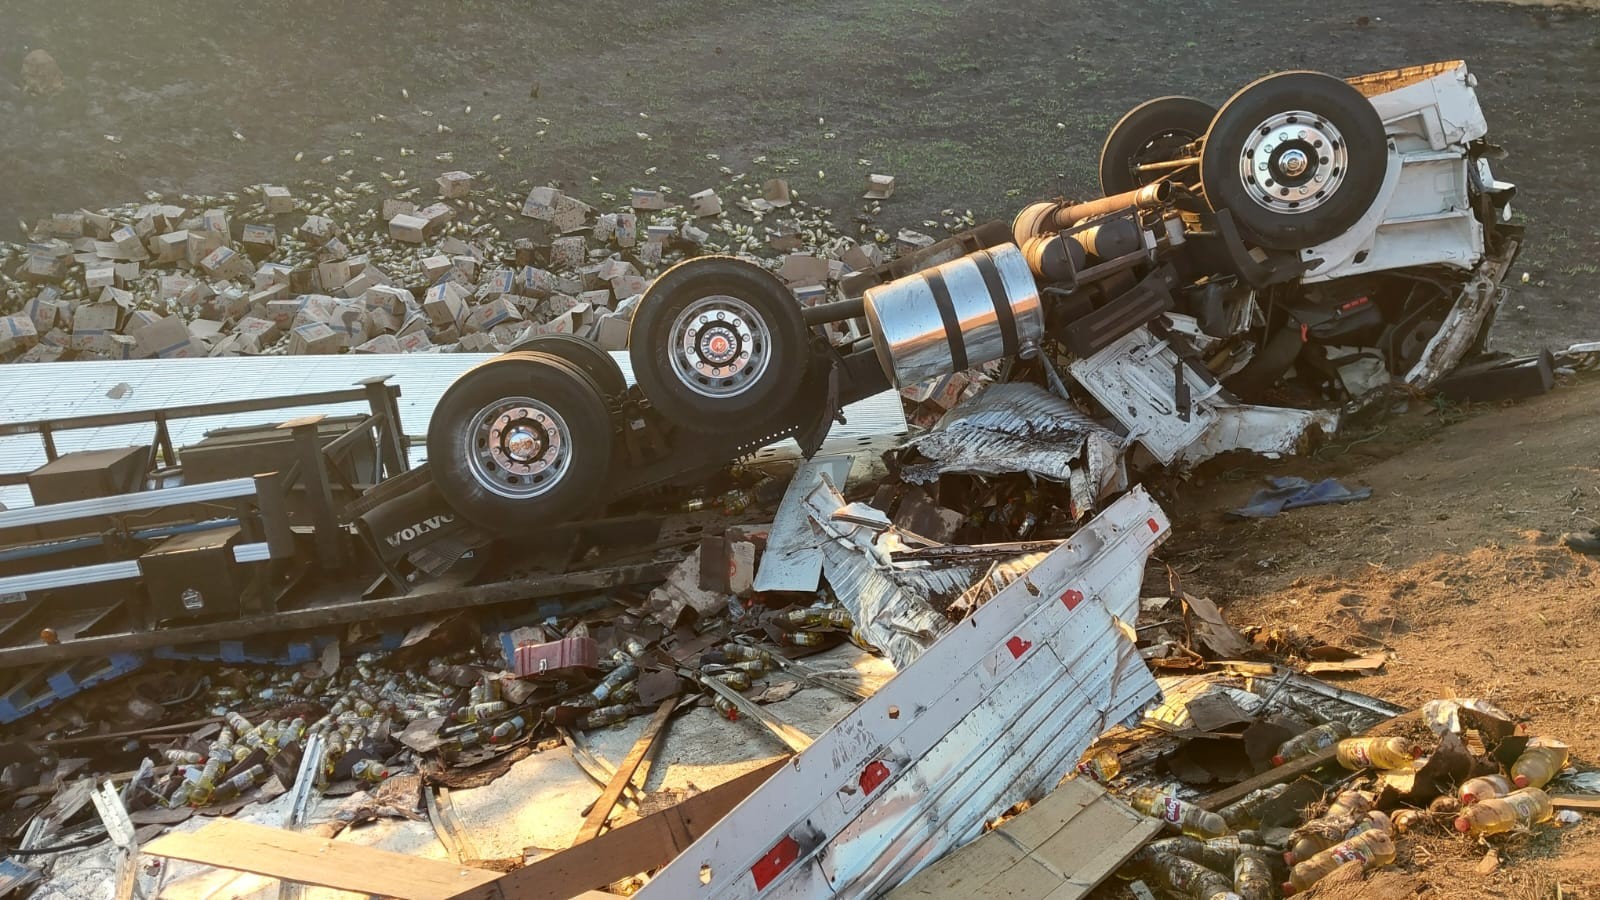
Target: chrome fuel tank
[963,313]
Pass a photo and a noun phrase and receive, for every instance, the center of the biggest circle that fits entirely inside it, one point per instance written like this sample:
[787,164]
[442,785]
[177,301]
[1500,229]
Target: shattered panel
[992,713]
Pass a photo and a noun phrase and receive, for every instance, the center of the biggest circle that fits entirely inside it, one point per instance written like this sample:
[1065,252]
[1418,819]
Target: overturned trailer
[1254,269]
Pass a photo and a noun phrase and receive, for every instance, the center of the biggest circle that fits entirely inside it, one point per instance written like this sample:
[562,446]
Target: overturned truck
[1254,270]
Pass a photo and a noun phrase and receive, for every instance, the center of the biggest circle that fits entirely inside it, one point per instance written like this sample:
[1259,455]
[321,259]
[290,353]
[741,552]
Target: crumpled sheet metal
[1021,427]
[889,603]
[995,712]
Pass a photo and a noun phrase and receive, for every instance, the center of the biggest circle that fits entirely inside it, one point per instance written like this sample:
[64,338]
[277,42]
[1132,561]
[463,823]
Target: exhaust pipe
[1151,195]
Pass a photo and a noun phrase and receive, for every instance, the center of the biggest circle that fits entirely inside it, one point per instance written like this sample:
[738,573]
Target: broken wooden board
[1369,664]
[626,850]
[1059,848]
[293,856]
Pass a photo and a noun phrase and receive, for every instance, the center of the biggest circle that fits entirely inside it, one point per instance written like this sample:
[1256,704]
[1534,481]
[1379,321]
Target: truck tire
[718,344]
[1154,131]
[586,355]
[1296,157]
[519,442]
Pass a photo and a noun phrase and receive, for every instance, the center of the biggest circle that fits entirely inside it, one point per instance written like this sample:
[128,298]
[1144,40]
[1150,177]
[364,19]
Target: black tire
[1154,131]
[488,493]
[586,355]
[1278,207]
[768,354]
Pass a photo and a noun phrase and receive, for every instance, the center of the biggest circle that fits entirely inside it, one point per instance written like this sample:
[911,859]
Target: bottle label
[1345,853]
[1524,805]
[1172,809]
[1360,754]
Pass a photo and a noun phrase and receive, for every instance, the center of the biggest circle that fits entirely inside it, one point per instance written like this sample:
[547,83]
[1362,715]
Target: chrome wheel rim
[1293,163]
[720,346]
[520,447]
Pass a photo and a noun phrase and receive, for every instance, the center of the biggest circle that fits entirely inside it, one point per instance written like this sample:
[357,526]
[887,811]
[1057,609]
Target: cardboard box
[332,275]
[605,228]
[17,332]
[486,316]
[435,267]
[611,332]
[94,320]
[413,342]
[627,229]
[803,268]
[706,203]
[408,228]
[318,230]
[259,240]
[454,184]
[393,207]
[383,343]
[570,215]
[879,187]
[495,283]
[541,203]
[776,192]
[278,199]
[224,262]
[567,253]
[437,215]
[643,198]
[167,338]
[314,338]
[446,304]
[625,286]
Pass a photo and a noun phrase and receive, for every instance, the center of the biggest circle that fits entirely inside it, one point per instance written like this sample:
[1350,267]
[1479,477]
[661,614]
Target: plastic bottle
[803,638]
[1375,753]
[1518,809]
[1217,853]
[1252,875]
[184,757]
[477,712]
[461,740]
[507,730]
[369,770]
[1350,803]
[605,715]
[1484,787]
[238,784]
[739,681]
[1102,765]
[1188,818]
[1246,811]
[1373,848]
[1539,763]
[726,709]
[1318,738]
[1187,878]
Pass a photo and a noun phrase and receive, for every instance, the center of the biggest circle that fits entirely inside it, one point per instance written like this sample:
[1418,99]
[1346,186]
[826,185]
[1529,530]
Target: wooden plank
[532,587]
[293,856]
[624,774]
[649,843]
[1058,849]
[1576,802]
[1294,768]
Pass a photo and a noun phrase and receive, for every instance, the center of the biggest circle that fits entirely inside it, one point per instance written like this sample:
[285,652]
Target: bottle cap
[1521,781]
[1288,888]
[1288,857]
[1462,825]
[1467,799]
[1277,760]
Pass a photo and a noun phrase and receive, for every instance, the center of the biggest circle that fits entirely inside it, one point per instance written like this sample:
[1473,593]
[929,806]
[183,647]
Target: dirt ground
[1455,565]
[978,106]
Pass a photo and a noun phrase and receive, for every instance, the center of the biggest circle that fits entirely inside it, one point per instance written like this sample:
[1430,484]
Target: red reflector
[1359,301]
[1070,599]
[1155,527]
[874,774]
[776,860]
[1018,646]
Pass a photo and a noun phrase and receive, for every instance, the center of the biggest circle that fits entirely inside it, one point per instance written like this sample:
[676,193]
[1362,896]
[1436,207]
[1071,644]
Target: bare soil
[1455,565]
[971,106]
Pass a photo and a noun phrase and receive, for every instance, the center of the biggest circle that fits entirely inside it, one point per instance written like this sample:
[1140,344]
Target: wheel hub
[720,346]
[520,447]
[1293,162]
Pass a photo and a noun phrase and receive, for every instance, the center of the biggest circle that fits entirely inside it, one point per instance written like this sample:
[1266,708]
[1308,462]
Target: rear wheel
[718,344]
[586,355]
[1155,131]
[1297,158]
[519,442]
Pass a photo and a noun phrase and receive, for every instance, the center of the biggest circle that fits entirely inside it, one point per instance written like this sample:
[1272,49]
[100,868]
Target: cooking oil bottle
[1188,818]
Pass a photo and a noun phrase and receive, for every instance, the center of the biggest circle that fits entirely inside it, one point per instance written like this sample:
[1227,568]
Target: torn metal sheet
[890,603]
[1477,301]
[792,561]
[1013,427]
[995,712]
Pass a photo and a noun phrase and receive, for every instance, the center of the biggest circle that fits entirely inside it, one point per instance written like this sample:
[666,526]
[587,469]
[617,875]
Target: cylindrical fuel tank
[954,316]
